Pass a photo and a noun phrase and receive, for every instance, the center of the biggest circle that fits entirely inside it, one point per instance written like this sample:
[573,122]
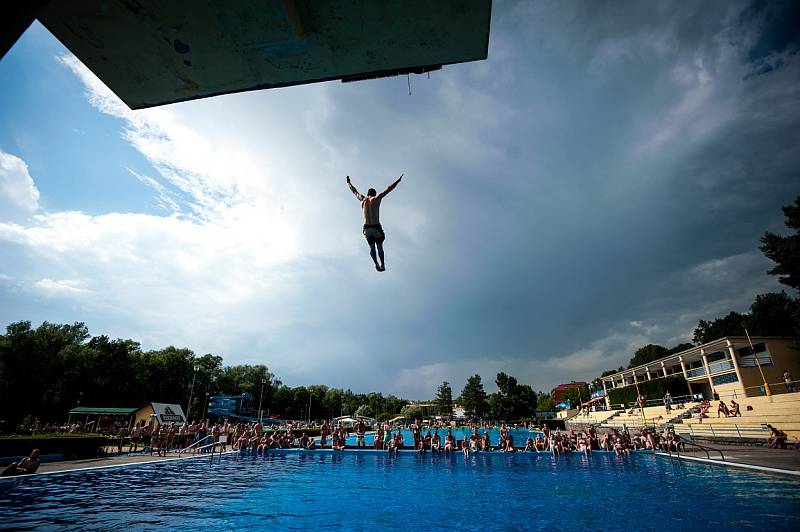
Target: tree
[444,399]
[646,354]
[365,410]
[773,314]
[525,401]
[46,371]
[332,402]
[608,372]
[392,406]
[785,250]
[683,346]
[576,396]
[513,400]
[545,402]
[413,412]
[731,325]
[474,399]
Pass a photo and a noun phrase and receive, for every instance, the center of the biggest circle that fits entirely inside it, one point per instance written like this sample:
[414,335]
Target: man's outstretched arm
[358,195]
[390,187]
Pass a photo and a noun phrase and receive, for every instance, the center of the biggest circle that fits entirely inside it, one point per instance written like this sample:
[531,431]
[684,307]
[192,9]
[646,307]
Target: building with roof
[728,367]
[99,417]
[561,389]
[160,413]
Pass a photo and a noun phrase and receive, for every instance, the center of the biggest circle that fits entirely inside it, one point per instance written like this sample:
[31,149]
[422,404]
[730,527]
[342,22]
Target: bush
[656,389]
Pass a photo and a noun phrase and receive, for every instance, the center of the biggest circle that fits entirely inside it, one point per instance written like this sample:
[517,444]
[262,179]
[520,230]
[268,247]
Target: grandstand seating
[592,417]
[781,411]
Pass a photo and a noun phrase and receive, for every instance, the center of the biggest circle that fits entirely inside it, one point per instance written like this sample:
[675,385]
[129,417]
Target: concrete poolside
[110,461]
[783,461]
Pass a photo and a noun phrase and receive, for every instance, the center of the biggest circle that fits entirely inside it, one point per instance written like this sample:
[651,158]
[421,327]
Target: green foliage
[474,399]
[49,370]
[545,402]
[731,325]
[414,412]
[646,354]
[444,399]
[513,400]
[771,314]
[655,389]
[611,371]
[785,250]
[576,396]
[774,314]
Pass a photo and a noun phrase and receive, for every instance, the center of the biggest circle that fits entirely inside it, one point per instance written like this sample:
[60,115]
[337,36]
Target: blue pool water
[374,491]
[520,436]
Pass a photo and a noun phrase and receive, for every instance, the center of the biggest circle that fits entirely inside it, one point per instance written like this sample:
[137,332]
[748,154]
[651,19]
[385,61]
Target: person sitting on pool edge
[373,232]
[777,438]
[26,466]
[436,442]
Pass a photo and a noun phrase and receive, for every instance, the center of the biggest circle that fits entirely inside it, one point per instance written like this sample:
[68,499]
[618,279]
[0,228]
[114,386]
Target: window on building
[725,379]
[713,357]
[760,347]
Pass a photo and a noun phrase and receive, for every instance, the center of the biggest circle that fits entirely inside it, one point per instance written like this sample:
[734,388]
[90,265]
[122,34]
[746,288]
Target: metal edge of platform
[728,463]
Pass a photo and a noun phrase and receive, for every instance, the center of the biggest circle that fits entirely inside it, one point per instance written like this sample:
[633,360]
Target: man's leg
[380,254]
[373,255]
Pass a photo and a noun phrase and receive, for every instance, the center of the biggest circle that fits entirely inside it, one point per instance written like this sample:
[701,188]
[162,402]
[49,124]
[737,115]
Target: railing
[765,359]
[696,372]
[196,444]
[683,442]
[728,431]
[722,365]
[681,399]
[776,388]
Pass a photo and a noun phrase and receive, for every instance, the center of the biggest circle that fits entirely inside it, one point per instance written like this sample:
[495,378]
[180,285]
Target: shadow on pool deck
[786,459]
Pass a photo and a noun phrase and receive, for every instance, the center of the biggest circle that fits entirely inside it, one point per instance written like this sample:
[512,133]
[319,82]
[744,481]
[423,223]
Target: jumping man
[371,204]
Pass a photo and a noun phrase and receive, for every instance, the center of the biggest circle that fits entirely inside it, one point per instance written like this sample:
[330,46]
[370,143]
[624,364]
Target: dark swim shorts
[374,233]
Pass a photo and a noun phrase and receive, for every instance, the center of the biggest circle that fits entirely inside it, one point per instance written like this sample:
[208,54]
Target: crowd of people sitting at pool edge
[253,438]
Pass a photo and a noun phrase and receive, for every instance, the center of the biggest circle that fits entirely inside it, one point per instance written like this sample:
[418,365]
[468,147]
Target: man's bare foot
[382,268]
[378,268]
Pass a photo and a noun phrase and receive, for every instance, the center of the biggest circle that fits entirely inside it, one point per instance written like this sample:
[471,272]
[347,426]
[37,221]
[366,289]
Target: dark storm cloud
[582,179]
[599,183]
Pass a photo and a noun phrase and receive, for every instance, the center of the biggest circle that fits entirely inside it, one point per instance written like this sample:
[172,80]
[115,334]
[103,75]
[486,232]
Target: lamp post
[191,392]
[260,398]
[208,394]
[767,389]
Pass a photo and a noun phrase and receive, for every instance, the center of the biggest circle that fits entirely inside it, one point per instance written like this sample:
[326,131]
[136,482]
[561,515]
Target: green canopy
[103,410]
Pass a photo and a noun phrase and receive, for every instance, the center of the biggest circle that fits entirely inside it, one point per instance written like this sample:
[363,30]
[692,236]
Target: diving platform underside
[155,52]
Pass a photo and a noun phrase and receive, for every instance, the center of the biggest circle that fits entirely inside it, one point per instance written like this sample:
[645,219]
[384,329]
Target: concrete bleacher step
[775,420]
[763,399]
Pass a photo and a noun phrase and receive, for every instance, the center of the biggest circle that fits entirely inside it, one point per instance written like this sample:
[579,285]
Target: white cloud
[232,268]
[19,196]
[563,204]
[62,287]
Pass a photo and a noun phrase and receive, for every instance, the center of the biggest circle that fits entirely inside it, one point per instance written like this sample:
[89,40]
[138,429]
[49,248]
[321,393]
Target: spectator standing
[787,378]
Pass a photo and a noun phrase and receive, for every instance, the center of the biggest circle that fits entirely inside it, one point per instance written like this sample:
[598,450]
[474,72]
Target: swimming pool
[372,490]
[520,436]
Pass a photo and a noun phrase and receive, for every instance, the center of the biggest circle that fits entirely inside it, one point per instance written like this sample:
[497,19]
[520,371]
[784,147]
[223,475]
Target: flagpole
[755,356]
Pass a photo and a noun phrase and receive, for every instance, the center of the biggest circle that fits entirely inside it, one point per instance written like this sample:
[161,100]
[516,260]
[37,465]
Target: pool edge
[727,463]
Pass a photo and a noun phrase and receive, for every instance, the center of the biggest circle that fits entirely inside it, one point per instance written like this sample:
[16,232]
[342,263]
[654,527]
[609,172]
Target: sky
[599,183]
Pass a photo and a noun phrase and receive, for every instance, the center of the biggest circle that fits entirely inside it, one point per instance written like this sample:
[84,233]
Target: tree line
[512,401]
[48,370]
[771,314]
